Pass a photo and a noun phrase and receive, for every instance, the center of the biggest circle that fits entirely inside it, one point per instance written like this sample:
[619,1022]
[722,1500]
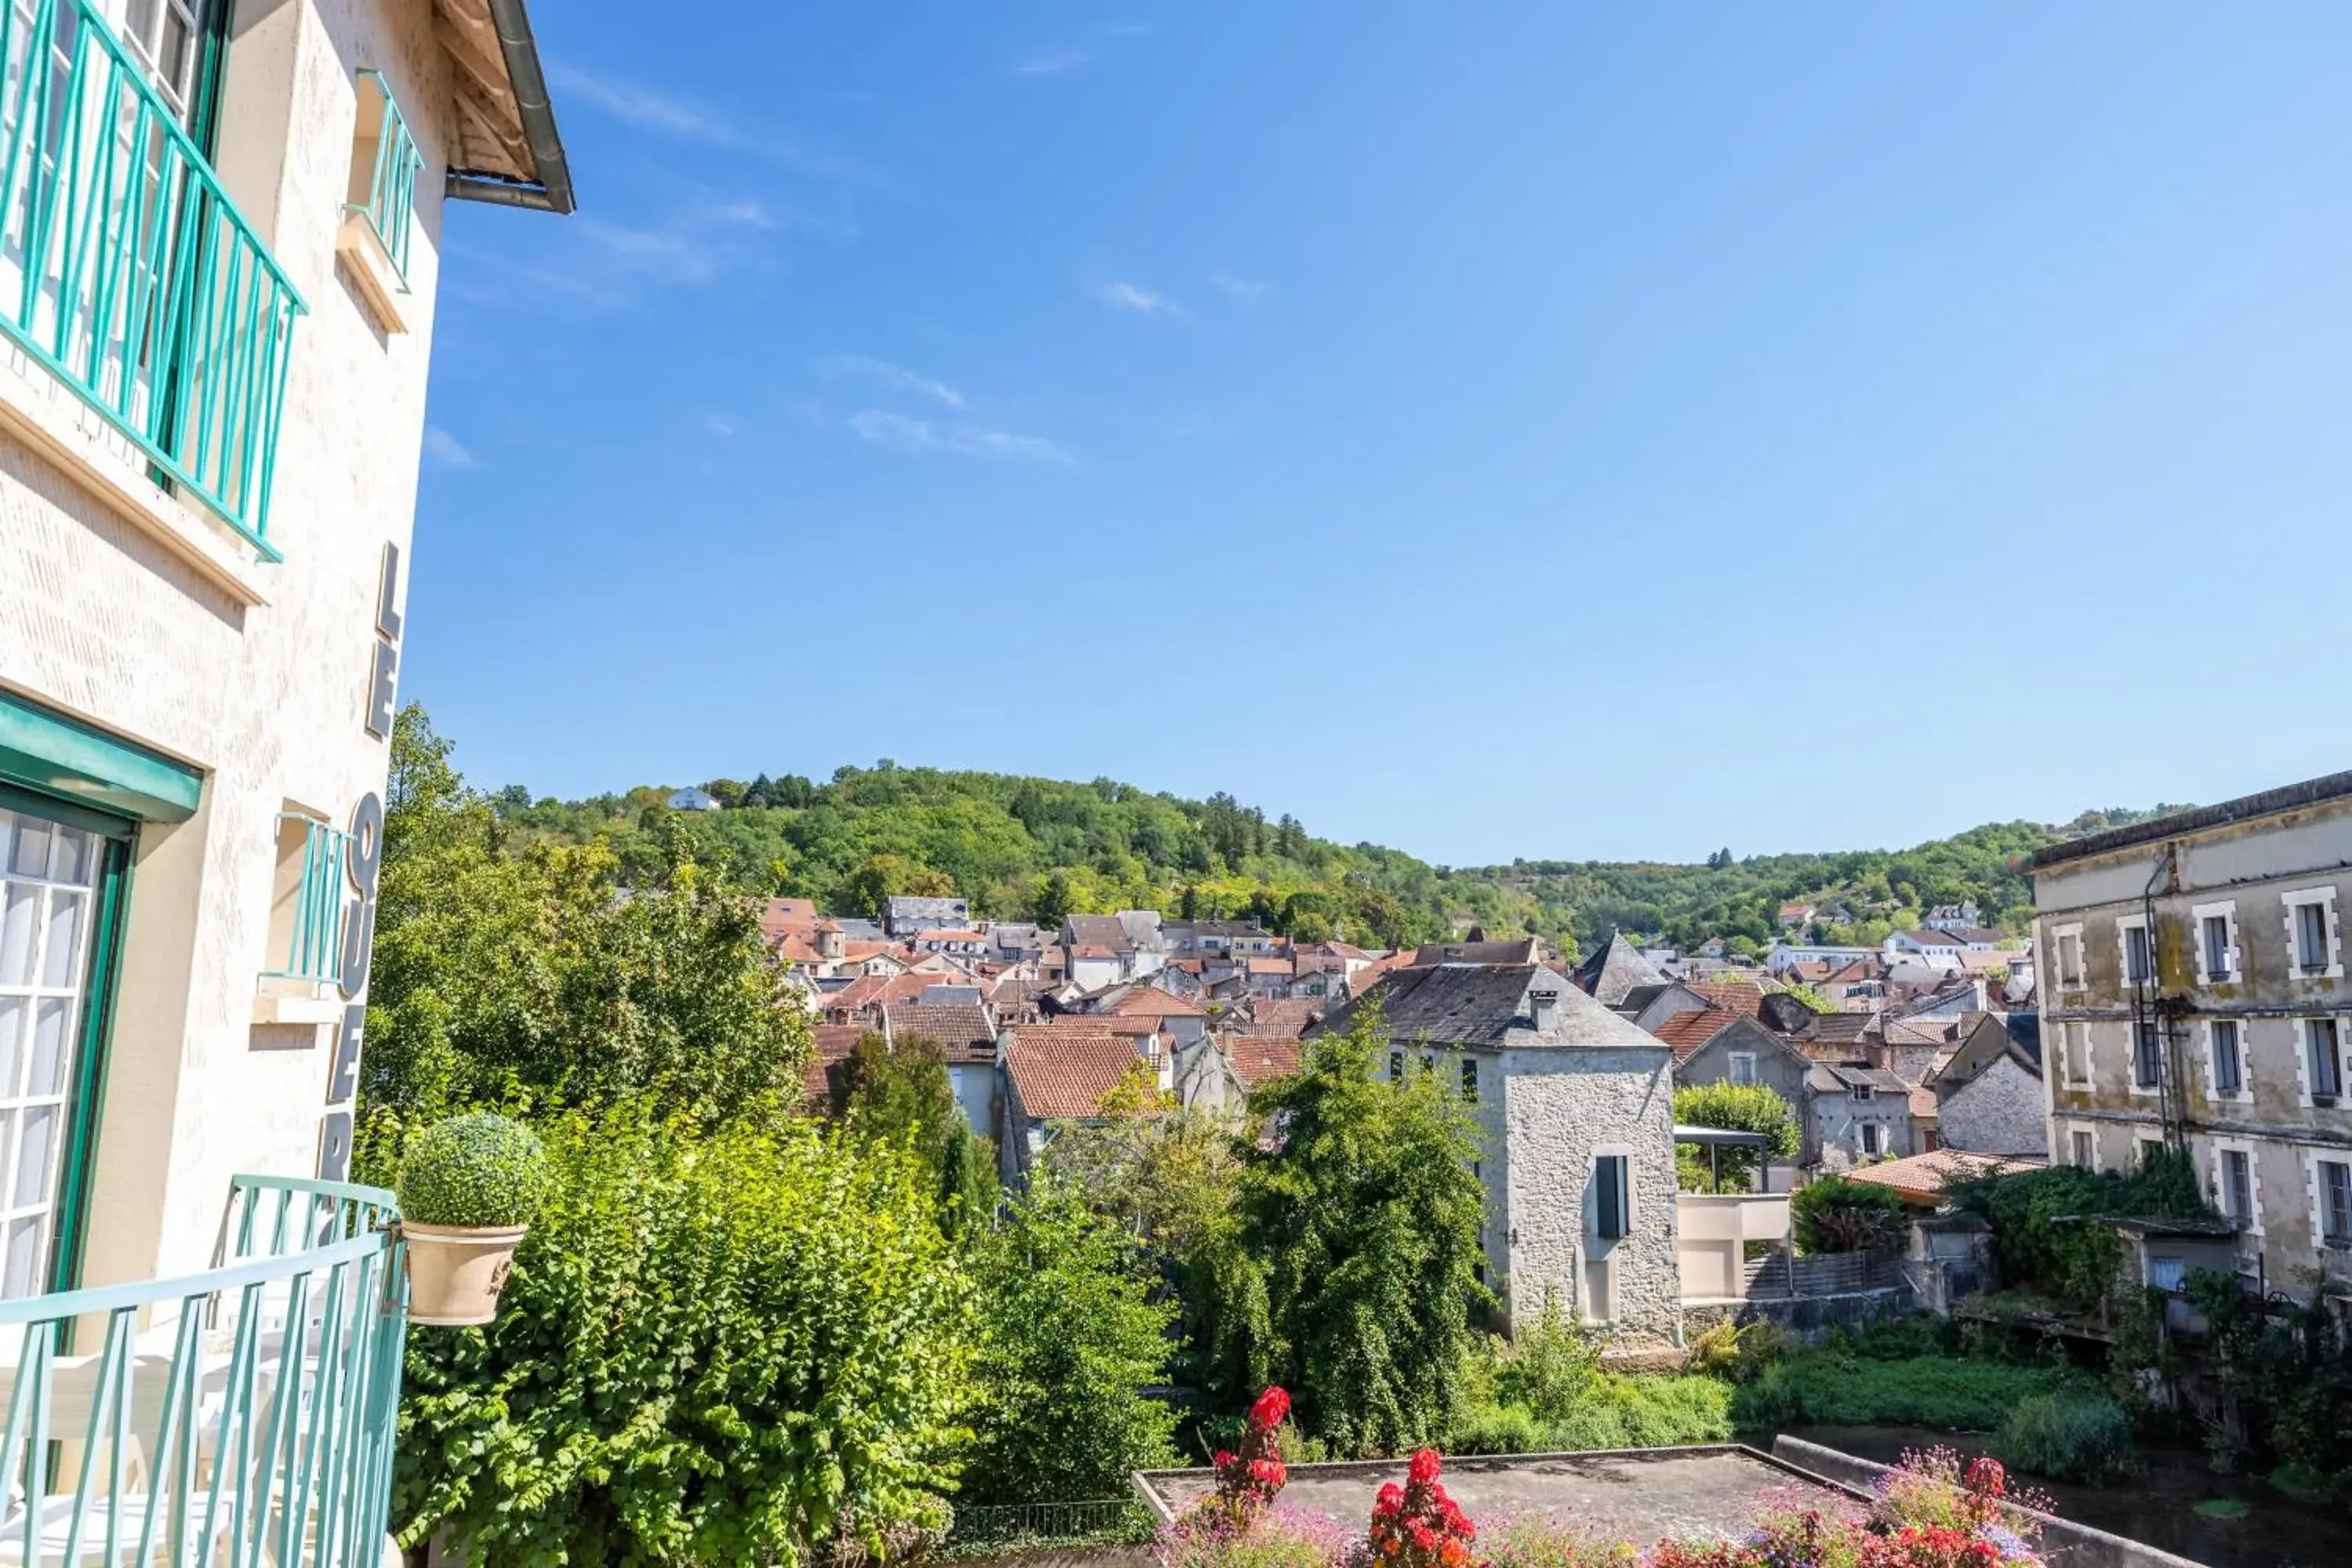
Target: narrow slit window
[2229,1075]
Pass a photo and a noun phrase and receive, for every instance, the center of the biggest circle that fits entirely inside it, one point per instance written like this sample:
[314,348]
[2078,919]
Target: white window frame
[2298,899]
[2131,1058]
[2304,1086]
[2124,926]
[2252,1224]
[2087,1131]
[2073,1032]
[2234,971]
[1868,1133]
[2313,1158]
[2059,937]
[1742,1061]
[2245,1094]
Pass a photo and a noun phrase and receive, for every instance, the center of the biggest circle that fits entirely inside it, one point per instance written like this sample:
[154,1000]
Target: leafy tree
[1069,1340]
[723,1346]
[969,1191]
[897,1092]
[1738,1107]
[1052,902]
[1363,1229]
[499,972]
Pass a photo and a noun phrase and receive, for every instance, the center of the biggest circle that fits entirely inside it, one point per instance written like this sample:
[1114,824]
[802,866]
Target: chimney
[1543,1007]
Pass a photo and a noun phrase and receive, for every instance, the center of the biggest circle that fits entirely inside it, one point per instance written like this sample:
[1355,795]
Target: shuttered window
[1612,1197]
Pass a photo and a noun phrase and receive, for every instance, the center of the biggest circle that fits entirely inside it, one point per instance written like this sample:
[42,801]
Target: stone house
[1744,1052]
[1575,1109]
[905,914]
[1989,1097]
[2191,989]
[1859,1112]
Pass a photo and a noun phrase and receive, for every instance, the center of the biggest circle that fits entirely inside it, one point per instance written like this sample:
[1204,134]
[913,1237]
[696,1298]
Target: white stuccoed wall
[99,619]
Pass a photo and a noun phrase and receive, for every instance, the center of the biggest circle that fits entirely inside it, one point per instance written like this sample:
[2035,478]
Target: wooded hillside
[1032,848]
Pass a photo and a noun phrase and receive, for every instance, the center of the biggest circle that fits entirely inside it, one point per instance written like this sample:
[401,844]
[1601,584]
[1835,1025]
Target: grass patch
[1610,1411]
[1841,1388]
[2079,1434]
[2222,1508]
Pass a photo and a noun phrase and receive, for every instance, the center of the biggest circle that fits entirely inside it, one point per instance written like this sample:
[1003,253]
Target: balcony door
[181,43]
[60,876]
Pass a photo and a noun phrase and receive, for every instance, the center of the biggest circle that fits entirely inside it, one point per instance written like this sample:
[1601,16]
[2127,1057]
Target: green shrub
[1614,1411]
[1069,1338]
[2076,1263]
[1834,1214]
[1838,1388]
[717,1345]
[479,1171]
[2077,1436]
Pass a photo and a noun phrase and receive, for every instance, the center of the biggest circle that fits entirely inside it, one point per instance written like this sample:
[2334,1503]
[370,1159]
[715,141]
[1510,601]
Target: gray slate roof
[1614,970]
[1485,1004]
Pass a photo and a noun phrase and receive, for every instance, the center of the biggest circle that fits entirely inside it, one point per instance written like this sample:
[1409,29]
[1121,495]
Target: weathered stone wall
[2002,1110]
[1561,1107]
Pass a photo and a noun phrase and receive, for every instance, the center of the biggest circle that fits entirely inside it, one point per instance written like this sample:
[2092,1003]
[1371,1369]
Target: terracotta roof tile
[1686,1032]
[1061,1073]
[961,1027]
[834,1044]
[1150,1002]
[1258,1058]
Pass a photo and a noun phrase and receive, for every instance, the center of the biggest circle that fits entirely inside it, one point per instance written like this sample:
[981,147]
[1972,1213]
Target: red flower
[1272,1408]
[1390,1499]
[1986,1476]
[1224,1459]
[1422,1469]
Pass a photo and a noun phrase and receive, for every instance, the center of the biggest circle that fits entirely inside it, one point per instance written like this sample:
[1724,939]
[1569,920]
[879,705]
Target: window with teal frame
[384,166]
[306,913]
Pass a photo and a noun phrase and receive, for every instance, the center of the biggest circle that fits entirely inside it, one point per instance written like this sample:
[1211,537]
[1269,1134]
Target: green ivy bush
[1840,1388]
[2038,1234]
[730,1344]
[479,1171]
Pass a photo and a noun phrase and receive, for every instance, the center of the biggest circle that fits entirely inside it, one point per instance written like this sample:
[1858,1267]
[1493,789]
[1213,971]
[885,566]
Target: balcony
[127,272]
[244,1415]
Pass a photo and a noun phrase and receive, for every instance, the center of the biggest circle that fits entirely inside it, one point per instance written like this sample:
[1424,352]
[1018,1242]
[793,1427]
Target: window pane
[40,1137]
[23,1265]
[61,949]
[32,856]
[70,856]
[52,1049]
[19,913]
[14,1012]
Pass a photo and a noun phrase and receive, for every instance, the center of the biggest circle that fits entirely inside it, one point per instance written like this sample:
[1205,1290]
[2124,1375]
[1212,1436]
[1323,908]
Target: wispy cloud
[1234,288]
[1052,62]
[688,121]
[1135,297]
[881,373]
[447,451]
[902,433]
[721,425]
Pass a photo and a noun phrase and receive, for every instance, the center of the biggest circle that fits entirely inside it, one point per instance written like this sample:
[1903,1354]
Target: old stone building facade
[2194,992]
[1575,1107]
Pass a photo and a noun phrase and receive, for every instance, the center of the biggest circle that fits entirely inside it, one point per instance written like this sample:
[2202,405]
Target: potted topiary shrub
[468,1188]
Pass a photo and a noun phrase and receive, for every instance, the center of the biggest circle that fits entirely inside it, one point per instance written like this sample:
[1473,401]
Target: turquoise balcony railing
[390,207]
[127,271]
[314,940]
[239,1416]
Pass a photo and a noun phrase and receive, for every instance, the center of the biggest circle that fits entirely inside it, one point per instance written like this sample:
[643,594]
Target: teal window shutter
[55,755]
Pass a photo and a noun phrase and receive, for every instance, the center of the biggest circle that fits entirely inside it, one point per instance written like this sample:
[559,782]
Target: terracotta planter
[455,1274]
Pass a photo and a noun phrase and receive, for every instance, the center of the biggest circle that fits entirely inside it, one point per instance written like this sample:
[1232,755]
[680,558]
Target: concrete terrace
[1641,1496]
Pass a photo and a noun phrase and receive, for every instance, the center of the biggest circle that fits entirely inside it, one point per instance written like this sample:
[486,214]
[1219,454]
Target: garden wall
[2063,1542]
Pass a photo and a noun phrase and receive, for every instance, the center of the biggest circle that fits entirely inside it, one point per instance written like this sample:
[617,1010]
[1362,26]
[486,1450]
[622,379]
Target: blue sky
[1545,430]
